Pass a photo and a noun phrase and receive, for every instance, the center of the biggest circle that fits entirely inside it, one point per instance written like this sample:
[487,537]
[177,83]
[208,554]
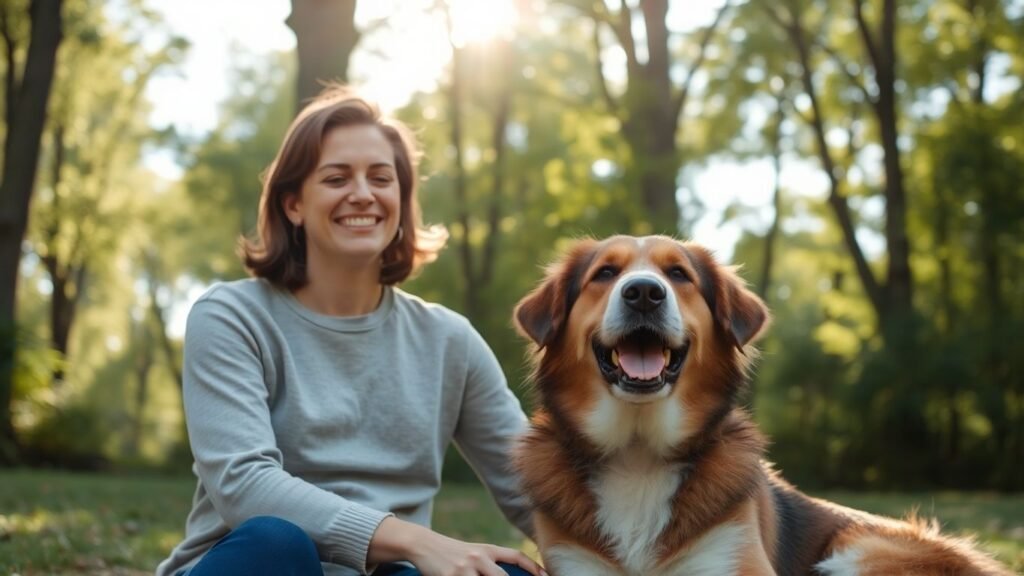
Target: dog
[638,459]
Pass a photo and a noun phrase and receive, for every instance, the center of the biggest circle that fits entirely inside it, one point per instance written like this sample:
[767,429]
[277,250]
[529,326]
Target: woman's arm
[434,554]
[490,421]
[237,459]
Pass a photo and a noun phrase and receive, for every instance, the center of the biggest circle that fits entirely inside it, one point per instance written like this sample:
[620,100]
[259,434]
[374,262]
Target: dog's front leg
[731,549]
[565,556]
[569,560]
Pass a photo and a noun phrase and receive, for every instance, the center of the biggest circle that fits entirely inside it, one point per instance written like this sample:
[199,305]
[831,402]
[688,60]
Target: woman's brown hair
[277,251]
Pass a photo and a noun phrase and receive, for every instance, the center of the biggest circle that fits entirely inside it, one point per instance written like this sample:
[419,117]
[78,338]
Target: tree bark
[652,106]
[325,35]
[836,198]
[25,116]
[773,230]
[143,365]
[67,290]
[470,295]
[499,126]
[898,291]
[66,278]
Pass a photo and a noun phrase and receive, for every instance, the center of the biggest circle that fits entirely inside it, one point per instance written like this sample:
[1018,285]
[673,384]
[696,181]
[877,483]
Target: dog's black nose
[643,294]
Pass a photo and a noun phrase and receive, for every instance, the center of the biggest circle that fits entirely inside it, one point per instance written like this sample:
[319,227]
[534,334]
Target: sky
[407,55]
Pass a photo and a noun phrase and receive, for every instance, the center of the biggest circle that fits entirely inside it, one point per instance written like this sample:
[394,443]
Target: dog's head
[641,321]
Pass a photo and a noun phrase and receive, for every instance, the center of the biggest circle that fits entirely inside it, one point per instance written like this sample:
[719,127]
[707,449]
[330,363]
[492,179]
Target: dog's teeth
[667,354]
[615,357]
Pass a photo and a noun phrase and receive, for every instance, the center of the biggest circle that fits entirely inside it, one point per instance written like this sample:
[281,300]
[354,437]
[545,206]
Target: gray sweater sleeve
[237,460]
[489,422]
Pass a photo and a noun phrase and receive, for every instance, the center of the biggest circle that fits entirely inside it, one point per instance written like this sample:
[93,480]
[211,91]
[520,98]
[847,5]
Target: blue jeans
[270,545]
[402,570]
[261,545]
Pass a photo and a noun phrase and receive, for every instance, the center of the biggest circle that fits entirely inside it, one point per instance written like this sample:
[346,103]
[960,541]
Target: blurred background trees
[872,153]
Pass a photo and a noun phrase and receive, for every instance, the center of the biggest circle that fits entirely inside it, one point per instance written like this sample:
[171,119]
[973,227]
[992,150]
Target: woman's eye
[336,181]
[606,273]
[678,273]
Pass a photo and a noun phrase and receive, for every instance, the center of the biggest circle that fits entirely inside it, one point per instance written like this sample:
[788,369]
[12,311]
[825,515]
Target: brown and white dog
[638,460]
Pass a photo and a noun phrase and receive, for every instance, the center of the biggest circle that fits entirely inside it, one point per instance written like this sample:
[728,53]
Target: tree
[97,129]
[26,94]
[958,163]
[494,64]
[875,86]
[652,103]
[326,35]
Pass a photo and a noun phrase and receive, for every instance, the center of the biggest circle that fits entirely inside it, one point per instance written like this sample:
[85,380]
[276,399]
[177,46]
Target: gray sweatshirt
[335,423]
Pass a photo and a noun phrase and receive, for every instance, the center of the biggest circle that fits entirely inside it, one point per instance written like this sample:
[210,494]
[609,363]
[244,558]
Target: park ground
[57,523]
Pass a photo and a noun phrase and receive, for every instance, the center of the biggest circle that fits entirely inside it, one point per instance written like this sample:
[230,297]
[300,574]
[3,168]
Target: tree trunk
[67,290]
[65,277]
[160,315]
[836,198]
[143,366]
[949,317]
[470,294]
[654,142]
[25,116]
[773,230]
[499,126]
[325,36]
[651,108]
[899,281]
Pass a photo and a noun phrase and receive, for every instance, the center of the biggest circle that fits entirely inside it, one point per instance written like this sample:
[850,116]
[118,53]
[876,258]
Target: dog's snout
[643,294]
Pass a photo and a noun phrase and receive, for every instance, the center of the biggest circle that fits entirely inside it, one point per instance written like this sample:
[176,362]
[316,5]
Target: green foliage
[34,364]
[223,178]
[68,437]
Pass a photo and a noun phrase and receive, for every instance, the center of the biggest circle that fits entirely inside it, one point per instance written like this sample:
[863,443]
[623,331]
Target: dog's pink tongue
[641,362]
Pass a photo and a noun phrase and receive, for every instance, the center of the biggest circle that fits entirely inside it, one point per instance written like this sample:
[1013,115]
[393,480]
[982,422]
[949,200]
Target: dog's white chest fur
[634,504]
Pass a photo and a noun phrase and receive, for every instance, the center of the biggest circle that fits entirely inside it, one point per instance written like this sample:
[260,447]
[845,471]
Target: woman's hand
[434,554]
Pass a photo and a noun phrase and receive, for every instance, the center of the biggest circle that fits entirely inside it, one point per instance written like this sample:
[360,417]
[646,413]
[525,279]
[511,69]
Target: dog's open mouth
[641,362]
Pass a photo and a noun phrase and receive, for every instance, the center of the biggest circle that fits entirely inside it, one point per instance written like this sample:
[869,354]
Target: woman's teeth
[359,221]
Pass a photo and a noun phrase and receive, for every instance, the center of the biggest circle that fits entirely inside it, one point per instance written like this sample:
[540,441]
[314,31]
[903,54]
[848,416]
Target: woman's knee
[273,537]
[513,570]
[261,545]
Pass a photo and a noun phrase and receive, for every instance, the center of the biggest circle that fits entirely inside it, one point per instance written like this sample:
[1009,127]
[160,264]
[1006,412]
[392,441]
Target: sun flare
[479,21]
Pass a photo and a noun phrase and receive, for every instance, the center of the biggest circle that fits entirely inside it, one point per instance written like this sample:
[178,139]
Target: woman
[320,399]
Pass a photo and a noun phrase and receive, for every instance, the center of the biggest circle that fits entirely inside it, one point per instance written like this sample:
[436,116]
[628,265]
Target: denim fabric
[402,570]
[269,545]
[261,545]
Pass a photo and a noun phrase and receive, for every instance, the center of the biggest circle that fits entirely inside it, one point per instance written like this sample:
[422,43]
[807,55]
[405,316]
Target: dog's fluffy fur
[635,472]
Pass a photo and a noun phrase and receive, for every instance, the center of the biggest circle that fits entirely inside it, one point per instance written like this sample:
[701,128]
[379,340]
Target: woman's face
[350,205]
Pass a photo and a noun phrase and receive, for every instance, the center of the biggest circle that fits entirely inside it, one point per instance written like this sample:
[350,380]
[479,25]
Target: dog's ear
[741,313]
[541,315]
[737,311]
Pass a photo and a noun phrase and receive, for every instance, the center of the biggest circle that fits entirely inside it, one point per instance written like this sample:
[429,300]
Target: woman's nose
[361,192]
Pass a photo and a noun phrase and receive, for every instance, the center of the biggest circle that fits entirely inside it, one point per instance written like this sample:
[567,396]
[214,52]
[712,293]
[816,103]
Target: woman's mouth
[358,221]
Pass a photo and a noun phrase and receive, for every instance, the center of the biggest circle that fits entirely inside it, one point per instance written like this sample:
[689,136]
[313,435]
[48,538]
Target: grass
[59,523]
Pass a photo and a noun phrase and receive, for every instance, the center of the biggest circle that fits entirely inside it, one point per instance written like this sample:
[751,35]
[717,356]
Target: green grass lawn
[59,523]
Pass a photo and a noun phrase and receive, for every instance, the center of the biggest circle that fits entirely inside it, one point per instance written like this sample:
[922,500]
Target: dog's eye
[606,273]
[678,273]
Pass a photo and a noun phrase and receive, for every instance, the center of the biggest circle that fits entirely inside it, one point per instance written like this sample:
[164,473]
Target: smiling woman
[302,386]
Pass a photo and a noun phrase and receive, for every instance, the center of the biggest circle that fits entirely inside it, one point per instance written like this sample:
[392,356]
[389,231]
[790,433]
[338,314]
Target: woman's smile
[358,222]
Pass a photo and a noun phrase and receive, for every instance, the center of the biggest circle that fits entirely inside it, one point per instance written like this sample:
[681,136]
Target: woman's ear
[292,204]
